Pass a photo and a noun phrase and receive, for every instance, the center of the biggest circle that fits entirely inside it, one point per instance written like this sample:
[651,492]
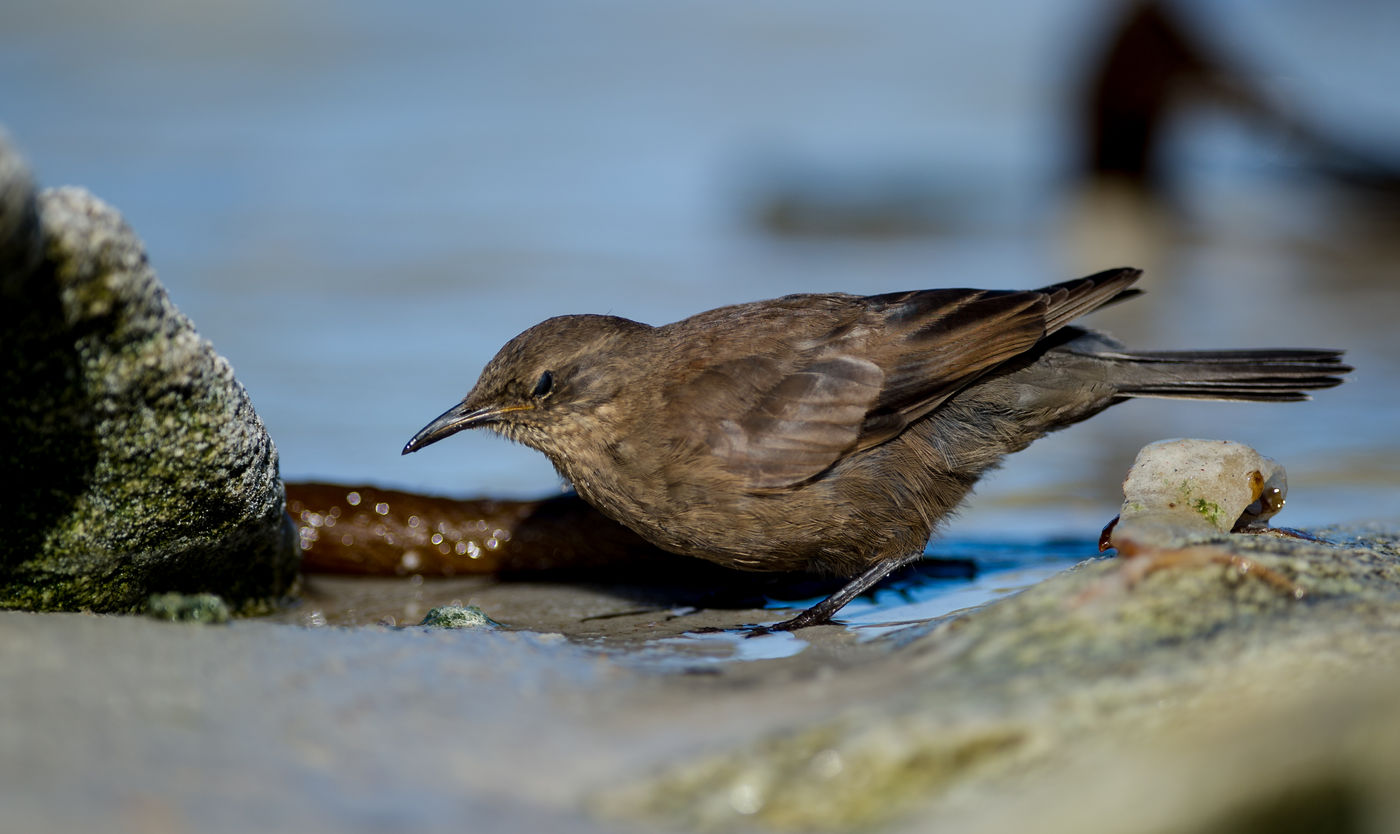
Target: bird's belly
[840,524]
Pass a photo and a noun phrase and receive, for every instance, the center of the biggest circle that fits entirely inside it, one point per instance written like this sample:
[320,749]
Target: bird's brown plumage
[831,431]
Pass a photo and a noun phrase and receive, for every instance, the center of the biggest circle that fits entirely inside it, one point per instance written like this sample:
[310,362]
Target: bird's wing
[786,412]
[774,424]
[961,334]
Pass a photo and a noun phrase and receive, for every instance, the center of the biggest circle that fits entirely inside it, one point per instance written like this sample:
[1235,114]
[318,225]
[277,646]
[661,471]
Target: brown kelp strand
[368,530]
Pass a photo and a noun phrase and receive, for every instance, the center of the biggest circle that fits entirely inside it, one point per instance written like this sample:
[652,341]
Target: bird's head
[554,374]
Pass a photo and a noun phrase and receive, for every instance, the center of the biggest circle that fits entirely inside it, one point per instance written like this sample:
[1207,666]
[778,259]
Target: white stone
[1183,487]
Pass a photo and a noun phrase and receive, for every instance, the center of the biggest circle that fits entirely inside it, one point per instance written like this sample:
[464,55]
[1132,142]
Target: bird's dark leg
[823,611]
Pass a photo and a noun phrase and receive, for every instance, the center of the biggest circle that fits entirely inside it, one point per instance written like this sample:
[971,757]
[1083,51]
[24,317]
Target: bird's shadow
[668,581]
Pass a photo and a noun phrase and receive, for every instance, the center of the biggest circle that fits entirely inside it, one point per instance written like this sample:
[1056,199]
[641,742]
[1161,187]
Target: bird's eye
[544,385]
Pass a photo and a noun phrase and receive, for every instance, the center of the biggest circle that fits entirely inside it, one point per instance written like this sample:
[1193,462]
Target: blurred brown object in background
[1151,66]
[1155,65]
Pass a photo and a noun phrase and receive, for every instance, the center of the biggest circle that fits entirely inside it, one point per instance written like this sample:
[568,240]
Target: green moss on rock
[458,616]
[189,608]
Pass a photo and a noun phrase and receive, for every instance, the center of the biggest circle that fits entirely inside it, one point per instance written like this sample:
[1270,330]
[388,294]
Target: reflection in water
[692,650]
[1000,567]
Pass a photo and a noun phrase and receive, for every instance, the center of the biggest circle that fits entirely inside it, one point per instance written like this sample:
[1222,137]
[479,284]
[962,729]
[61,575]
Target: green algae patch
[457,616]
[188,608]
[1210,511]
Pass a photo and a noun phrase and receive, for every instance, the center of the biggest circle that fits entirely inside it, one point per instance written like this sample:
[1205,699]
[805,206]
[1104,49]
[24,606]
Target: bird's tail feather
[1267,375]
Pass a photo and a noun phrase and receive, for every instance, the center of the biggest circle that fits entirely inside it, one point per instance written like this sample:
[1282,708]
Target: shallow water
[664,623]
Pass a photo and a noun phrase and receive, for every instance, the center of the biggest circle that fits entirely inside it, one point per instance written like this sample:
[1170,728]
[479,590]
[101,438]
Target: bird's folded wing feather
[966,333]
[780,418]
[783,417]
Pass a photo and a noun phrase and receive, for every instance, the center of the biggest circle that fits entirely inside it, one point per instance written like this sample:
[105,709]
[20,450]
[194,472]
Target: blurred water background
[359,202]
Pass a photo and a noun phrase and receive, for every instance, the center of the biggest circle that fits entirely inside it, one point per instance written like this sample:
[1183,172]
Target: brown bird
[830,432]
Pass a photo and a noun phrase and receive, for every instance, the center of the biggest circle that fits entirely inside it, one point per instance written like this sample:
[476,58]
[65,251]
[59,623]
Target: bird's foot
[810,617]
[802,620]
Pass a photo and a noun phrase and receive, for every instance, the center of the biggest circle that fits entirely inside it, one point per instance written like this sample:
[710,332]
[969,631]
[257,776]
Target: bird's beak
[458,417]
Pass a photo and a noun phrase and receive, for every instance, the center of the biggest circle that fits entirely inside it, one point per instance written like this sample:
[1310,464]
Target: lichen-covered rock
[133,458]
[188,608]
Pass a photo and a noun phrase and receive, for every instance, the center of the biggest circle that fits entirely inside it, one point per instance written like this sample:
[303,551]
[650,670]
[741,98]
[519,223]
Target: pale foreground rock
[1205,681]
[133,457]
[1179,489]
[1187,673]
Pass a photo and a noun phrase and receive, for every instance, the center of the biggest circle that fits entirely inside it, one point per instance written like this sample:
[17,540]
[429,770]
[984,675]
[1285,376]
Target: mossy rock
[135,460]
